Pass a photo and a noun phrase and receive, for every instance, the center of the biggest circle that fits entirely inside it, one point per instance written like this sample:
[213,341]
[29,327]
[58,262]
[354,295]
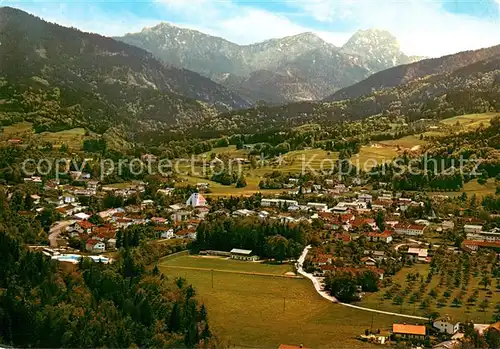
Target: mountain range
[101,80]
[59,78]
[302,67]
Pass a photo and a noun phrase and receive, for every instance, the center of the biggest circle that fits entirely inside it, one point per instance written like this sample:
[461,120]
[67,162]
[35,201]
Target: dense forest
[124,304]
[264,238]
[96,305]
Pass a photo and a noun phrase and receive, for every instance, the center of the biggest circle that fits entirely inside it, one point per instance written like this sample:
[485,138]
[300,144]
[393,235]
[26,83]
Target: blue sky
[423,27]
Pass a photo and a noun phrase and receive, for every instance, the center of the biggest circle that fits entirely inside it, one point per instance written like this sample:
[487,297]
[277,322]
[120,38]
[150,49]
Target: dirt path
[234,272]
[324,294]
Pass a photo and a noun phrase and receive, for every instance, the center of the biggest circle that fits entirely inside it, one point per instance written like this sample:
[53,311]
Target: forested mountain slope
[474,88]
[405,73]
[56,75]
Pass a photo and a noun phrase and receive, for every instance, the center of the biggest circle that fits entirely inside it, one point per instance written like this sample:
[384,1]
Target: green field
[471,188]
[470,121]
[219,263]
[369,156]
[265,311]
[72,138]
[231,151]
[408,142]
[293,162]
[19,129]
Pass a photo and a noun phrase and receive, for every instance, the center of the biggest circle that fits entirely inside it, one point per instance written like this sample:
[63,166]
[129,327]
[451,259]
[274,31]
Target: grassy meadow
[470,121]
[265,311]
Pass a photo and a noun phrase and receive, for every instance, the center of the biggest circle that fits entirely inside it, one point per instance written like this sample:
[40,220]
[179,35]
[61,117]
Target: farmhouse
[446,325]
[385,237]
[408,331]
[244,255]
[417,254]
[317,206]
[365,197]
[409,229]
[95,246]
[83,227]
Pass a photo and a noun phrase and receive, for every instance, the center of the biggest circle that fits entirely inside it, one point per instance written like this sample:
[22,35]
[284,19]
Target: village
[358,230]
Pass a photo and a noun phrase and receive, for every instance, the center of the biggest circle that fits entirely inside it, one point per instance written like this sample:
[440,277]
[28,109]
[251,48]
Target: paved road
[315,281]
[319,289]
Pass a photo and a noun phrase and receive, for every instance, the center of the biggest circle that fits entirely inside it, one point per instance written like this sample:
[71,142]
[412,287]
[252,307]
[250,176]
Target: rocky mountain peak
[378,48]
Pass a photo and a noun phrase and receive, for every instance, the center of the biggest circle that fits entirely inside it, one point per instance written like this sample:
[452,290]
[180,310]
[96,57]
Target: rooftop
[408,329]
[240,251]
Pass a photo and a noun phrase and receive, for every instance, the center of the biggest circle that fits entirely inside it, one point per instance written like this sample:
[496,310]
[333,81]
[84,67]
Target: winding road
[317,285]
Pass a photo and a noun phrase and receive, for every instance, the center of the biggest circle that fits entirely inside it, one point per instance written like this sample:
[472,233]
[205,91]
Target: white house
[243,213]
[446,325]
[180,216]
[409,229]
[68,198]
[95,246]
[169,234]
[36,199]
[83,227]
[471,228]
[385,237]
[365,197]
[263,214]
[317,206]
[493,235]
[93,186]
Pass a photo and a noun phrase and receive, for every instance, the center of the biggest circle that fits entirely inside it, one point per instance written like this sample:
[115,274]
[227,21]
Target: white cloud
[423,27]
[86,17]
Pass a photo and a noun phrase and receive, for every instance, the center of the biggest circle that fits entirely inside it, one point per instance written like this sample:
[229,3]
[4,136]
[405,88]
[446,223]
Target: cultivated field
[441,302]
[17,130]
[370,156]
[265,311]
[408,142]
[470,121]
[72,138]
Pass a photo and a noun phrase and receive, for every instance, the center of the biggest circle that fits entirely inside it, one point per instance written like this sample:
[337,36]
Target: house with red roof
[95,246]
[82,227]
[360,222]
[474,245]
[409,229]
[385,237]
